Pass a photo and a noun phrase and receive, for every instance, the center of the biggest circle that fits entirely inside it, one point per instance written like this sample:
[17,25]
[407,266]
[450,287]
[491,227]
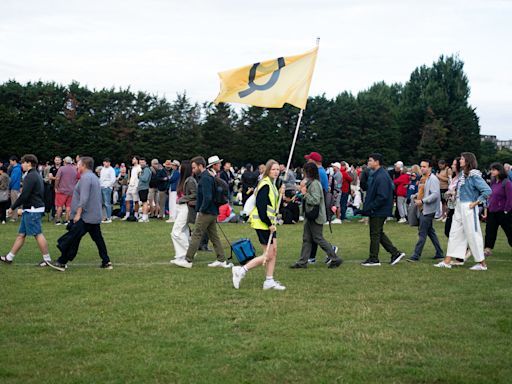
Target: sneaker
[142,220]
[478,267]
[58,223]
[396,259]
[220,264]
[413,259]
[311,261]
[58,266]
[3,221]
[370,263]
[487,252]
[177,258]
[238,275]
[335,263]
[107,266]
[42,264]
[442,264]
[125,218]
[298,266]
[107,221]
[183,263]
[457,262]
[327,258]
[336,221]
[3,259]
[65,222]
[169,221]
[272,284]
[402,221]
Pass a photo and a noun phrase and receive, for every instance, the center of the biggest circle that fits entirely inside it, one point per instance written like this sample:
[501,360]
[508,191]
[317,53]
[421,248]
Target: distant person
[31,199]
[378,205]
[288,178]
[444,175]
[4,193]
[107,181]
[86,218]
[249,182]
[401,184]
[65,182]
[15,174]
[143,189]
[499,210]
[132,193]
[229,177]
[173,186]
[289,210]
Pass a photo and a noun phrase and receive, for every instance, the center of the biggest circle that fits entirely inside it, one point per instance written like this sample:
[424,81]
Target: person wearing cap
[345,190]
[207,212]
[107,181]
[378,205]
[143,189]
[173,187]
[65,182]
[316,158]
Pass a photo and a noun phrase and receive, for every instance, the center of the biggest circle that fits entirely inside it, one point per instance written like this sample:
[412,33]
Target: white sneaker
[401,221]
[107,221]
[182,263]
[125,218]
[442,264]
[220,264]
[478,267]
[336,221]
[272,284]
[173,261]
[238,275]
[169,221]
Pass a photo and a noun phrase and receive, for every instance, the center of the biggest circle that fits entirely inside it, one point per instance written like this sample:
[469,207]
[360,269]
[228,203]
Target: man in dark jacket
[31,200]
[206,221]
[378,206]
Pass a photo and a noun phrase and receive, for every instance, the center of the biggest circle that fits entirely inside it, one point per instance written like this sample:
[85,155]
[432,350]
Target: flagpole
[285,179]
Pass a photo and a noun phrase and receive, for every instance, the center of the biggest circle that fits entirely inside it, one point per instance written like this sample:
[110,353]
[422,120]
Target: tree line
[428,116]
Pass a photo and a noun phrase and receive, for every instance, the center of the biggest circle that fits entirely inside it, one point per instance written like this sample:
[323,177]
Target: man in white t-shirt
[132,193]
[107,181]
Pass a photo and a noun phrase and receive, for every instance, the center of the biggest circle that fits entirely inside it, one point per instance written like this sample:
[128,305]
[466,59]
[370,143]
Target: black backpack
[220,192]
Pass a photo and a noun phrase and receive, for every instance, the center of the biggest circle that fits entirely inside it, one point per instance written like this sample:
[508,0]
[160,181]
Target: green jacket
[315,196]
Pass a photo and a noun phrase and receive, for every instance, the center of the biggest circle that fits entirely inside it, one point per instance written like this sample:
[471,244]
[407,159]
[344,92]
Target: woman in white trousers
[472,190]
[185,211]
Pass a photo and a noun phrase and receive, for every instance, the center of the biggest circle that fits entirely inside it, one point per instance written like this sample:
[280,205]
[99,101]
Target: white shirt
[107,177]
[134,177]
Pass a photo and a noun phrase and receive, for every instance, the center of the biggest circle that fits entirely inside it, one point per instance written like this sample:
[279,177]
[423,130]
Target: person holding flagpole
[262,219]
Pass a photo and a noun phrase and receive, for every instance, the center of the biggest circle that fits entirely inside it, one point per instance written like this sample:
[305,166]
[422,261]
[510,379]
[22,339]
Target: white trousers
[465,232]
[401,203]
[172,204]
[180,233]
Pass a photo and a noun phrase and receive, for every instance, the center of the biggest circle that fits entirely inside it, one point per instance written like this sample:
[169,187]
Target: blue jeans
[343,205]
[106,195]
[425,229]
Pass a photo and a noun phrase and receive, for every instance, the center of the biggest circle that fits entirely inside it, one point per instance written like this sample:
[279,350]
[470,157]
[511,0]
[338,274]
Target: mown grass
[147,321]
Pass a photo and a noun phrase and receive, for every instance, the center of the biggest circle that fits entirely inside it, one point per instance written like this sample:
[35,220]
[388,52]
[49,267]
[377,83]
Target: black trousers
[69,242]
[4,206]
[448,222]
[494,221]
[378,237]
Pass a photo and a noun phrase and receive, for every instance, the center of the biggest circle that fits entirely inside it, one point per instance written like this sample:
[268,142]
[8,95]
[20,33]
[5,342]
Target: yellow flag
[270,83]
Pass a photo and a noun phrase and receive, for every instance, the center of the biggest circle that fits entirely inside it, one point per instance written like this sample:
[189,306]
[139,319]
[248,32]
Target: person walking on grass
[262,219]
[31,199]
[499,208]
[427,201]
[185,211]
[65,182]
[314,219]
[472,191]
[86,208]
[15,173]
[206,220]
[378,205]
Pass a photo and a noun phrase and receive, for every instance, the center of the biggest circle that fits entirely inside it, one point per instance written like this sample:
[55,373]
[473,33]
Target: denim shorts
[31,224]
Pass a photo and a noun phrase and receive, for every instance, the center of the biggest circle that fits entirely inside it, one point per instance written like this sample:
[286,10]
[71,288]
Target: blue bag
[243,250]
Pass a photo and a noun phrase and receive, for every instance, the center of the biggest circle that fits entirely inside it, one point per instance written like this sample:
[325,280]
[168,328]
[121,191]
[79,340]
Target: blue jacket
[174,180]
[379,197]
[474,188]
[204,203]
[324,180]
[16,173]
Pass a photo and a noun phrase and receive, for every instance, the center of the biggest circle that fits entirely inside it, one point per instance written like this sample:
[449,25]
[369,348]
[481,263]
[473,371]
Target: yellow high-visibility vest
[273,196]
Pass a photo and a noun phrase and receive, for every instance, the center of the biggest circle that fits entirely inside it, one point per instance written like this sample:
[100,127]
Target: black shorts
[443,191]
[263,236]
[143,195]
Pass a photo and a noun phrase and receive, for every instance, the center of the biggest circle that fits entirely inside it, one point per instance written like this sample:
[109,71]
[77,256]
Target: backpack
[220,192]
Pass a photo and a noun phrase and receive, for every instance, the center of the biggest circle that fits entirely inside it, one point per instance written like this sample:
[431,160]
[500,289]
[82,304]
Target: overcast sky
[165,47]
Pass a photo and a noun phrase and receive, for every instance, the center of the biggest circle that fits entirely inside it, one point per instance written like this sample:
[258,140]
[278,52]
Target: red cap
[315,156]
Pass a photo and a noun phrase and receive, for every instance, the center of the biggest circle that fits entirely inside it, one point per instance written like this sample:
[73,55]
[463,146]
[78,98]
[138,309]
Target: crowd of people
[202,193]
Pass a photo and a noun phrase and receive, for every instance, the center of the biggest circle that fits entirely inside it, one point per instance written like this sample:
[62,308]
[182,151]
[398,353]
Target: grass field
[149,322]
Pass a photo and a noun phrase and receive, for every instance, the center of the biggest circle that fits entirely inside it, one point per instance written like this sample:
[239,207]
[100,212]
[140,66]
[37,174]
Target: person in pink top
[401,183]
[65,182]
